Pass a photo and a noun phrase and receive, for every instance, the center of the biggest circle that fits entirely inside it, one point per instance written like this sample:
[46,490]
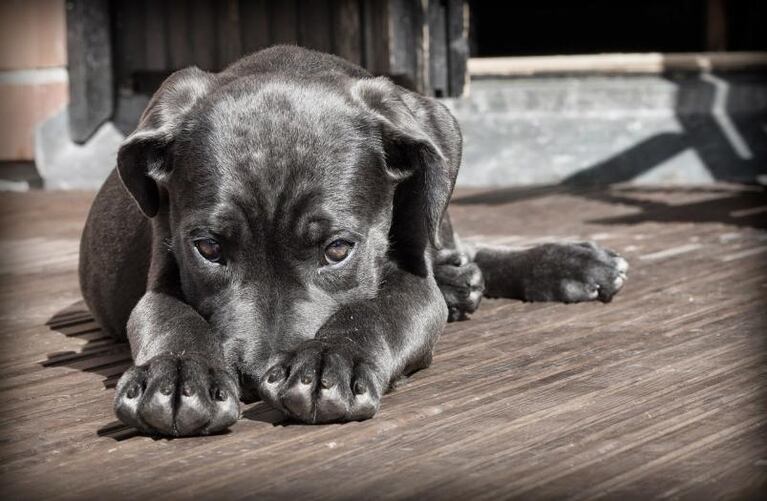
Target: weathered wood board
[658,394]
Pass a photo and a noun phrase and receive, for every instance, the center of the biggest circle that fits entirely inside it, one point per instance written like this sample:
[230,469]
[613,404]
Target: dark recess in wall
[746,25]
[547,27]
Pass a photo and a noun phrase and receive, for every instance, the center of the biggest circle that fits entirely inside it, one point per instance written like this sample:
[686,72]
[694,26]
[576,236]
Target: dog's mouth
[248,388]
[249,395]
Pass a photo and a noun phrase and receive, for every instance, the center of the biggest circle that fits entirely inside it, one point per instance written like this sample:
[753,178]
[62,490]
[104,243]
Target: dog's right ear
[143,160]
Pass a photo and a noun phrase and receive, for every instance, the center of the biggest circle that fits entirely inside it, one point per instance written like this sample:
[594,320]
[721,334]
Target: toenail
[307,378]
[187,391]
[166,389]
[132,392]
[326,383]
[359,388]
[218,394]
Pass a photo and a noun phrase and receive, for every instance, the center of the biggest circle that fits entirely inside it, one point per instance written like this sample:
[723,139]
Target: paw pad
[176,396]
[333,386]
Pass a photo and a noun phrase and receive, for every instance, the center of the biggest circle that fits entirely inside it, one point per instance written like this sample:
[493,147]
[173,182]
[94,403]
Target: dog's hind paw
[575,272]
[461,283]
[177,396]
[321,382]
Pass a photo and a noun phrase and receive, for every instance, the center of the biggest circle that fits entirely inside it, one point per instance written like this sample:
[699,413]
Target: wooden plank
[203,33]
[658,393]
[438,49]
[408,52]
[347,30]
[130,43]
[156,45]
[458,46]
[89,52]
[254,23]
[716,26]
[284,22]
[179,34]
[375,29]
[228,33]
[314,25]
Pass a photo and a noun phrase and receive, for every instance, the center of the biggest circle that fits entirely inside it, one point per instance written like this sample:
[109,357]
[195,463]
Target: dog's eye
[209,249]
[337,251]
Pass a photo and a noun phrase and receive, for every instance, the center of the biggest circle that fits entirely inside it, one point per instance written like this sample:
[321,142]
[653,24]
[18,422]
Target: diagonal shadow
[632,162]
[101,354]
[740,209]
[746,207]
[728,139]
[719,128]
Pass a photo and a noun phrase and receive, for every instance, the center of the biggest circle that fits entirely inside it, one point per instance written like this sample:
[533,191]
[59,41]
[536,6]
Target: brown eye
[337,251]
[209,249]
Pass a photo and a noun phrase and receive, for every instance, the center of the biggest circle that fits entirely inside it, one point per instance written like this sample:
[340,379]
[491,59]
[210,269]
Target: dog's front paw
[177,396]
[461,283]
[322,382]
[575,272]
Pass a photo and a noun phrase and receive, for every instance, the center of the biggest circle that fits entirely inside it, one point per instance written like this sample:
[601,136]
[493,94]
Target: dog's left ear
[143,158]
[422,147]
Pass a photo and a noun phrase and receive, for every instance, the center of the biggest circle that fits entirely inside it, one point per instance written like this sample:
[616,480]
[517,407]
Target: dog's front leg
[342,373]
[180,384]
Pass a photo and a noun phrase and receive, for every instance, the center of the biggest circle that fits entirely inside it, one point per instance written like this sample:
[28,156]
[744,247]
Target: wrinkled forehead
[280,118]
[287,144]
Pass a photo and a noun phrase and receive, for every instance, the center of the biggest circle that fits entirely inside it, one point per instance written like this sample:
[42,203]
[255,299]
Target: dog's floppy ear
[422,146]
[142,160]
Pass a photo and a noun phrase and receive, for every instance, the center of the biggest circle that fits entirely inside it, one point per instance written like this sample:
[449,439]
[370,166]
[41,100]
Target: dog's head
[282,199]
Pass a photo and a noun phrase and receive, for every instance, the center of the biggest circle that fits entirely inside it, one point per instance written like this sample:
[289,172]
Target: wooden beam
[179,34]
[375,23]
[458,45]
[347,30]
[438,48]
[716,25]
[408,45]
[203,36]
[228,36]
[89,49]
[129,44]
[284,21]
[155,19]
[254,24]
[314,18]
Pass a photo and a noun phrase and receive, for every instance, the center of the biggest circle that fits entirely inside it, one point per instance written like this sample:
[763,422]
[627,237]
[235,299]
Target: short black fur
[274,159]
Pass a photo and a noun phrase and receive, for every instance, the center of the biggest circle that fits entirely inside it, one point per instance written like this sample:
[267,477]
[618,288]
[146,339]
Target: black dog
[280,231]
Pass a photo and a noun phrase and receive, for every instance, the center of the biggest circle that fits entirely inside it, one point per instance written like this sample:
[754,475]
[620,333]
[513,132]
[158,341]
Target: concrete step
[596,129]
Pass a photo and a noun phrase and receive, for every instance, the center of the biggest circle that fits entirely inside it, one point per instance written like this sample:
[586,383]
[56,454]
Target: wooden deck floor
[661,393]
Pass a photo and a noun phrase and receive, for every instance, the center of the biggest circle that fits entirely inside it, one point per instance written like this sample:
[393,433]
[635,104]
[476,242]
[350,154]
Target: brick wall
[33,76]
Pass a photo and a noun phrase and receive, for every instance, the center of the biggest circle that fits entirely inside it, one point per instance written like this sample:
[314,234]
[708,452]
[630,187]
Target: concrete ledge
[64,164]
[601,130]
[650,63]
